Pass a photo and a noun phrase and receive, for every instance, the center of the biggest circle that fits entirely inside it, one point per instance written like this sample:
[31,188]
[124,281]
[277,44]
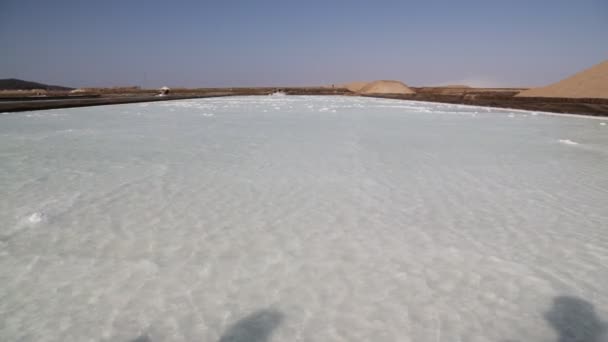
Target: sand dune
[590,83]
[355,86]
[386,87]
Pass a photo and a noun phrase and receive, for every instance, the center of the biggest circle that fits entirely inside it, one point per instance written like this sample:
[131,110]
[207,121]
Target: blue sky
[280,43]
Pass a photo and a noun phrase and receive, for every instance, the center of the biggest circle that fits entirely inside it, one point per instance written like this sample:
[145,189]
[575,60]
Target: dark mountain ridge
[16,84]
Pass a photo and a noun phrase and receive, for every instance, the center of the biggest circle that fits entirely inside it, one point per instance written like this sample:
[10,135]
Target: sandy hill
[386,87]
[16,84]
[355,86]
[590,83]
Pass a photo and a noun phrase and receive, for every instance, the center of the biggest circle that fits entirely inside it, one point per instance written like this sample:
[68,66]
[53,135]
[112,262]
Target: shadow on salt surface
[575,320]
[142,338]
[257,327]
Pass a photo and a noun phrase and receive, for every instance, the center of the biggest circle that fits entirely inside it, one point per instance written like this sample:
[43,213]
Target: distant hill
[16,84]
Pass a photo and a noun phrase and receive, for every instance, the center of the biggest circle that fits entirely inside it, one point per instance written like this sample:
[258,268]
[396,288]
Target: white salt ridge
[568,142]
[35,218]
[389,220]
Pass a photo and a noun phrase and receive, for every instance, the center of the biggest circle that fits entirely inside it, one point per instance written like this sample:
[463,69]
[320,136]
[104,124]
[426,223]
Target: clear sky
[304,42]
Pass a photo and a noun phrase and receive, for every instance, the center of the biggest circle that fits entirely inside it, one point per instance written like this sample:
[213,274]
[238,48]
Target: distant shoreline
[483,97]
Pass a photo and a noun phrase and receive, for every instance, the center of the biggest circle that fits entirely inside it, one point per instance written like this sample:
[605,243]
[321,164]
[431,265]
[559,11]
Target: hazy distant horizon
[278,43]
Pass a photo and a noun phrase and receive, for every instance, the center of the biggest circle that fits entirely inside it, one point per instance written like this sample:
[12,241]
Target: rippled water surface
[302,219]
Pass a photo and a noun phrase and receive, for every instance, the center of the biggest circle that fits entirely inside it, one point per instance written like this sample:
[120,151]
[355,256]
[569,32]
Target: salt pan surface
[301,219]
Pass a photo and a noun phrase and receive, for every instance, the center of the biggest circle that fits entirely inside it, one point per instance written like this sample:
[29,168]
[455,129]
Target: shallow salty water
[302,219]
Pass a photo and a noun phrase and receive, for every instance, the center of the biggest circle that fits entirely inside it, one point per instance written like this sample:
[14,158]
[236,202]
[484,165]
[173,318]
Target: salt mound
[35,218]
[590,83]
[386,87]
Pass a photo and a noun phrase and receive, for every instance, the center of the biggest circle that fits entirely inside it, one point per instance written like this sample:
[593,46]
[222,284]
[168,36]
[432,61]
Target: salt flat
[286,218]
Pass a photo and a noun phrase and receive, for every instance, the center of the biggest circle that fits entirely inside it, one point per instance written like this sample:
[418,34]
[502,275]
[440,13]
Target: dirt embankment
[506,99]
[490,97]
[113,96]
[465,90]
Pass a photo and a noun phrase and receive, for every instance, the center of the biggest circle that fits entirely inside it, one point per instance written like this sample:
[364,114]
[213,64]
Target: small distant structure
[164,91]
[39,92]
[278,92]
